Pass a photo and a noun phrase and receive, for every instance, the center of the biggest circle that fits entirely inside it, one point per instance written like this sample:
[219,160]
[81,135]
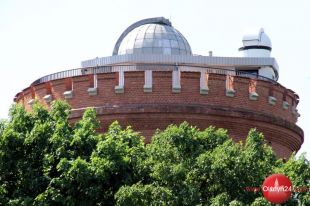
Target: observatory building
[153,79]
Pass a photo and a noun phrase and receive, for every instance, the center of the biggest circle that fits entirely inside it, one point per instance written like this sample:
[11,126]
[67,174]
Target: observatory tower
[153,79]
[256,43]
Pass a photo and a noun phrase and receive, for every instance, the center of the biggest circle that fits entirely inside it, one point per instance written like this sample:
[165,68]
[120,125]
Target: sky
[40,37]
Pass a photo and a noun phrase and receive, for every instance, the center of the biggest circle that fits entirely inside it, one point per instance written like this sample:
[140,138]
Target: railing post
[230,92]
[204,78]
[176,80]
[69,88]
[285,104]
[271,99]
[121,80]
[148,82]
[92,90]
[33,96]
[252,90]
[48,88]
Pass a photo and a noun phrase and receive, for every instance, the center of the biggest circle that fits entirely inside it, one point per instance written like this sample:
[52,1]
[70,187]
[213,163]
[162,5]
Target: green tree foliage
[45,160]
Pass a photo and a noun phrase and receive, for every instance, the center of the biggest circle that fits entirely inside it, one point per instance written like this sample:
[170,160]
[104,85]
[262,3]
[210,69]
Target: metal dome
[152,36]
[256,39]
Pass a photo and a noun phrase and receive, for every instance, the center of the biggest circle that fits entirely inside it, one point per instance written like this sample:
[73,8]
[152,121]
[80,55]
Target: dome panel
[154,39]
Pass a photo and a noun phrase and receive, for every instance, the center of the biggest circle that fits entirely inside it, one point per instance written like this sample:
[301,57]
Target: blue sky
[39,37]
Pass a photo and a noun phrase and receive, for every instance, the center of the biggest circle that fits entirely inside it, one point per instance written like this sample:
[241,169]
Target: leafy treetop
[45,160]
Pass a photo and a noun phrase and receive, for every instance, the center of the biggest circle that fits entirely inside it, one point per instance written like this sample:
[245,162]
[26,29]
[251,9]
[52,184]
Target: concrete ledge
[176,89]
[295,112]
[119,89]
[31,102]
[285,105]
[48,98]
[147,89]
[253,96]
[272,100]
[92,91]
[230,92]
[68,94]
[204,90]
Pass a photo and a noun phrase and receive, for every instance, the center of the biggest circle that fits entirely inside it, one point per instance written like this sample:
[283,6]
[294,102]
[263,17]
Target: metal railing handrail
[143,67]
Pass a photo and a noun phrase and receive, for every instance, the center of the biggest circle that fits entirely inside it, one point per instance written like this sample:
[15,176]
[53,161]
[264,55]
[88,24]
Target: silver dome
[154,38]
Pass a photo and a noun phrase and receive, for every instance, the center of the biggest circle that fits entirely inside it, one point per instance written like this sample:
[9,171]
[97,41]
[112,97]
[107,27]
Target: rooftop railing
[153,67]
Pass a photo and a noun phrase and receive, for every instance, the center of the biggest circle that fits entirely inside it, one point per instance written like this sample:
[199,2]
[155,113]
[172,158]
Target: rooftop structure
[152,36]
[153,79]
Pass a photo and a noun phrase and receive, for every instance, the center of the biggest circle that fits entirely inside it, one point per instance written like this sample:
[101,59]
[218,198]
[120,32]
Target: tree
[45,160]
[207,167]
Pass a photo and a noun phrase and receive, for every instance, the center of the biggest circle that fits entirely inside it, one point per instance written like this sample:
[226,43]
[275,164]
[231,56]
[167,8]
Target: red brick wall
[148,111]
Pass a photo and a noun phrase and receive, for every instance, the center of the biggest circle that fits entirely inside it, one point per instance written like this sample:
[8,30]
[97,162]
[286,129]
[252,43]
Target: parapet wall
[149,100]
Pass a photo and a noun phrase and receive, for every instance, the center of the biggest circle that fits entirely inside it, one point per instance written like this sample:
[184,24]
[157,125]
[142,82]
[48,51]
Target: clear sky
[39,37]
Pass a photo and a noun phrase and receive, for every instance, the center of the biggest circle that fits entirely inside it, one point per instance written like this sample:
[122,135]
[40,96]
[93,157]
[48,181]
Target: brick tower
[152,80]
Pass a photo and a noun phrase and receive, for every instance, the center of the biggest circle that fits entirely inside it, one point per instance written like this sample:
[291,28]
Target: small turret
[258,44]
